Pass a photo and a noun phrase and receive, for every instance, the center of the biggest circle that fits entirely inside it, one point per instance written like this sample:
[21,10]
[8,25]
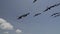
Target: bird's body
[23,16]
[46,9]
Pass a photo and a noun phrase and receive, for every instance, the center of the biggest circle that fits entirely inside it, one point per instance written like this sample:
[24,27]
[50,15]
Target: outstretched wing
[37,14]
[51,7]
[23,16]
[20,17]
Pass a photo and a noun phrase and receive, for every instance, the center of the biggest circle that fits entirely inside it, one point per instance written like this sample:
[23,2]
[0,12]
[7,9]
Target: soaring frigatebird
[51,7]
[23,15]
[37,14]
[34,1]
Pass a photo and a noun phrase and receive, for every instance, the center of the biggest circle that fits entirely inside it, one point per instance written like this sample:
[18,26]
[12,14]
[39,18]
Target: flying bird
[23,15]
[37,14]
[56,14]
[51,7]
[34,1]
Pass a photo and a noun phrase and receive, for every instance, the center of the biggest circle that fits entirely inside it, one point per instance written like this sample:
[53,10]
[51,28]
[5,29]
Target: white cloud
[18,31]
[5,25]
[6,32]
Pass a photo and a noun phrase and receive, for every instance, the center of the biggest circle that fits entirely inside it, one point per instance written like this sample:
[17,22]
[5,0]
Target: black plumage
[51,7]
[47,9]
[23,15]
[56,14]
[37,14]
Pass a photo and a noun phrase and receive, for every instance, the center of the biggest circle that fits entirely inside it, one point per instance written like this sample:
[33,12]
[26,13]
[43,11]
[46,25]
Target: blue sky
[42,24]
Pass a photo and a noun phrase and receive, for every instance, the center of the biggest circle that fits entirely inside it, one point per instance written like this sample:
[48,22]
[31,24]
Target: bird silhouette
[34,1]
[37,14]
[23,15]
[56,14]
[51,7]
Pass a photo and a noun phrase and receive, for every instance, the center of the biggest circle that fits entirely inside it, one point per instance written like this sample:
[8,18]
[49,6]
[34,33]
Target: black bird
[54,14]
[37,14]
[51,7]
[23,15]
[34,1]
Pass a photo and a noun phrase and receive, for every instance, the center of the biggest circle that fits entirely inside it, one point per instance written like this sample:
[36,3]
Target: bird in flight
[56,14]
[23,15]
[37,14]
[34,1]
[51,7]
